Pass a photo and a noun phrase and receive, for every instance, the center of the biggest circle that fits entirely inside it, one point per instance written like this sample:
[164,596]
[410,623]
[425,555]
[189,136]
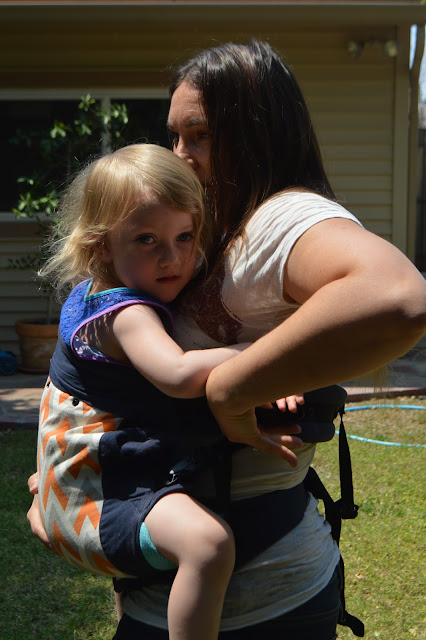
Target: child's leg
[202,545]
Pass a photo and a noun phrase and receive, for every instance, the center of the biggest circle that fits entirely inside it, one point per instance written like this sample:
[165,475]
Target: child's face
[153,250]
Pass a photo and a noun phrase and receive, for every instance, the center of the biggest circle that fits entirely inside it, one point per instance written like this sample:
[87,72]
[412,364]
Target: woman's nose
[183,151]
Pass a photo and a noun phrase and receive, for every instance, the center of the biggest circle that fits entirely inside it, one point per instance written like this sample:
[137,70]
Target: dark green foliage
[57,154]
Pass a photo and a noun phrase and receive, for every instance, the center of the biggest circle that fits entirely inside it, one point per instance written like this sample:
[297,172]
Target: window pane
[29,116]
[147,121]
[24,153]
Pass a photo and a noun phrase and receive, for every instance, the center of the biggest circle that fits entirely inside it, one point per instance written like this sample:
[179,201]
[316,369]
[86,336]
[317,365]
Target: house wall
[20,295]
[352,102]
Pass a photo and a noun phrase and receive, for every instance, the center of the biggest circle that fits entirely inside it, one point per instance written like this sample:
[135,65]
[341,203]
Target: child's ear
[103,251]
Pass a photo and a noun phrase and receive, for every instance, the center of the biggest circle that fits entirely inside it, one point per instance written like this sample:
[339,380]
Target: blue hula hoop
[384,406]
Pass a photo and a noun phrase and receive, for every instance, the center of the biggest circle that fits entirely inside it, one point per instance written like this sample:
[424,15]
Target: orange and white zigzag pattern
[70,482]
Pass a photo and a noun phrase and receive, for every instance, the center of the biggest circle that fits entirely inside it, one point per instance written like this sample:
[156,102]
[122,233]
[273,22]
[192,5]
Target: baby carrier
[316,419]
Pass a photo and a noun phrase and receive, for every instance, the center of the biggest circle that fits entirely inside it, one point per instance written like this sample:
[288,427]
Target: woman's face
[188,130]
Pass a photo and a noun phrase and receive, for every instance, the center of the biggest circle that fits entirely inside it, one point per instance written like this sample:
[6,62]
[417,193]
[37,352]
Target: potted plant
[60,150]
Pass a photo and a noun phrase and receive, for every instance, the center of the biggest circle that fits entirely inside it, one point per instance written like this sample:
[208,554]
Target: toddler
[132,232]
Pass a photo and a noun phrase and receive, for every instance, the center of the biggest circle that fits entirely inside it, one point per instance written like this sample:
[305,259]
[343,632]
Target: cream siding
[352,104]
[20,296]
[401,142]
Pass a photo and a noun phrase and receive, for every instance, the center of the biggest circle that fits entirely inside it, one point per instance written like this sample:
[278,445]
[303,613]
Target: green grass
[42,598]
[384,547]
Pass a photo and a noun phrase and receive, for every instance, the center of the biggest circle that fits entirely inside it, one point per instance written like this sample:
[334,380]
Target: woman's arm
[142,338]
[363,304]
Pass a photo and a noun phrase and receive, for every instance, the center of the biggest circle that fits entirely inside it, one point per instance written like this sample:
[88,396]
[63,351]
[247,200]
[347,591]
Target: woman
[325,301]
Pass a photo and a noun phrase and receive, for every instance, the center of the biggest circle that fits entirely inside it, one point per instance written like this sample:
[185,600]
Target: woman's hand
[243,428]
[33,484]
[34,514]
[279,441]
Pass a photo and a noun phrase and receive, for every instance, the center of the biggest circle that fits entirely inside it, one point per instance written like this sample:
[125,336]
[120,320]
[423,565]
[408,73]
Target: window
[147,123]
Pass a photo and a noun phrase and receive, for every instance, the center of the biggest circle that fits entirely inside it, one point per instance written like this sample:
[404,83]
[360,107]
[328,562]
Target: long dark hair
[263,139]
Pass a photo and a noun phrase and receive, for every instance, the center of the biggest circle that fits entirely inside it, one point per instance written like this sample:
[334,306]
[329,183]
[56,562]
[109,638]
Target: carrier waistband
[259,522]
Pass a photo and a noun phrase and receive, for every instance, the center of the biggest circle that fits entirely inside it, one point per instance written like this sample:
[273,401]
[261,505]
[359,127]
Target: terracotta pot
[37,342]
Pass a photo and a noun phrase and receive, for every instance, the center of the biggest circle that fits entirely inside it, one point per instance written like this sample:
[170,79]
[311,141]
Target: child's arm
[141,336]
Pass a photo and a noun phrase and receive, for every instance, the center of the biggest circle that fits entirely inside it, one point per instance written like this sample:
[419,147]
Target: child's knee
[214,545]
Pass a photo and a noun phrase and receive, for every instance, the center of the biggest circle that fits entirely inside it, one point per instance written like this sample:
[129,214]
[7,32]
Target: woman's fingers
[277,443]
[33,483]
[34,514]
[36,523]
[283,430]
[272,447]
[284,434]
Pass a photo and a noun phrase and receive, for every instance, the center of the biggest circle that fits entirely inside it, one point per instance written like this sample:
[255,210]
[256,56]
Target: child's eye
[145,239]
[186,237]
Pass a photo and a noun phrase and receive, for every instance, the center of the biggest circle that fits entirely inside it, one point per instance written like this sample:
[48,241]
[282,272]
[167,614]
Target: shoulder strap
[81,307]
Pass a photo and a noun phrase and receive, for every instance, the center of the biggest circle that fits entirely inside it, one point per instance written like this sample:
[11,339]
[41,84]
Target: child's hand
[289,403]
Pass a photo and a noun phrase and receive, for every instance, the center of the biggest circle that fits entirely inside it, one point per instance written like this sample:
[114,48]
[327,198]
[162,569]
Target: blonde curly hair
[104,193]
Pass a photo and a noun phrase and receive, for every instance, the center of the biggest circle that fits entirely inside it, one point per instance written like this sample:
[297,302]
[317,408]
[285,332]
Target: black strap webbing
[347,506]
[335,511]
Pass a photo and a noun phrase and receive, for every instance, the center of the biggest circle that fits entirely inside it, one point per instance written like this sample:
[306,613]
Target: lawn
[384,548]
[42,598]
